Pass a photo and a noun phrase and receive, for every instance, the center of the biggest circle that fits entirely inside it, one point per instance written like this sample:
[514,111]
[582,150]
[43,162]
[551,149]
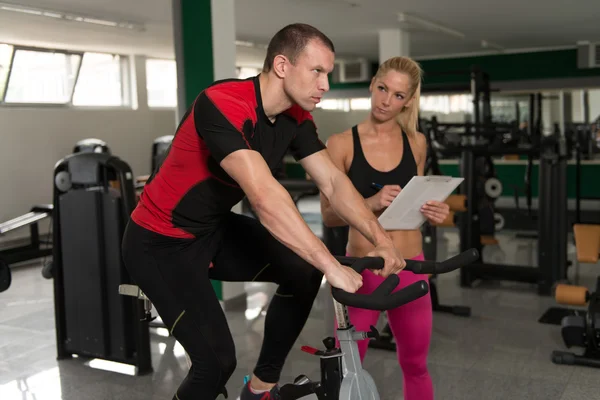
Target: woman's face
[389,95]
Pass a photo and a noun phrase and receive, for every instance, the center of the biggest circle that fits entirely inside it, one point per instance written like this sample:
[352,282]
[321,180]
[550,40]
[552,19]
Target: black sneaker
[247,394]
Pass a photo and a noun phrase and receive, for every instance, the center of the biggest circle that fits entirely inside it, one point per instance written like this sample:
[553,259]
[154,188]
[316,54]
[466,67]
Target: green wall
[512,176]
[552,64]
[197,48]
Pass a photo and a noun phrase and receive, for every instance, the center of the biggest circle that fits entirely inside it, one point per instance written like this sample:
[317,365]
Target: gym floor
[500,352]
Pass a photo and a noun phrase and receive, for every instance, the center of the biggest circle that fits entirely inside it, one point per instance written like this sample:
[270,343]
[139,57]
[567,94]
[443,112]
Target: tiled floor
[500,352]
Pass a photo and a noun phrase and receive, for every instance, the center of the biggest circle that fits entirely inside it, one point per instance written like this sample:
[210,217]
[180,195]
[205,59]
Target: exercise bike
[342,375]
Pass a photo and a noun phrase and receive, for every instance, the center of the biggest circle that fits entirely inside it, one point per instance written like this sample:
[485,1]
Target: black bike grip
[458,261]
[421,267]
[382,302]
[387,286]
[406,295]
[432,267]
[371,301]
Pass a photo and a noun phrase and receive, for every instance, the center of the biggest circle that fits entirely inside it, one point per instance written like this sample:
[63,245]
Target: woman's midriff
[409,243]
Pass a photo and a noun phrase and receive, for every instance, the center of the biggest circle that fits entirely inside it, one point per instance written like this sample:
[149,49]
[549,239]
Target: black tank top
[363,175]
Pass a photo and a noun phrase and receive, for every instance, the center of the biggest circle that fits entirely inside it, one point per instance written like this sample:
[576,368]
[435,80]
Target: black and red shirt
[187,195]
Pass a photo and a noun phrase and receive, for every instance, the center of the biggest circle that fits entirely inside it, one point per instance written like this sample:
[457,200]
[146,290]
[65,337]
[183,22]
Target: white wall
[330,121]
[32,140]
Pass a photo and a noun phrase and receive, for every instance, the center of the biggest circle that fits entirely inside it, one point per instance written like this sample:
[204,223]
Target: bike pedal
[301,380]
[148,317]
[373,333]
[312,350]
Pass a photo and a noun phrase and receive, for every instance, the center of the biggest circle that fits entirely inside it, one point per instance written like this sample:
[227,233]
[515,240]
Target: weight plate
[493,188]
[498,222]
[62,180]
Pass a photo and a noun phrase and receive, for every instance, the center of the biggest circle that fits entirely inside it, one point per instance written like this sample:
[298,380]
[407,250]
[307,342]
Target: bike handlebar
[382,298]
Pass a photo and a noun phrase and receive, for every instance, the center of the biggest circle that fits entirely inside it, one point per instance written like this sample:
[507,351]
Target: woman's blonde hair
[409,116]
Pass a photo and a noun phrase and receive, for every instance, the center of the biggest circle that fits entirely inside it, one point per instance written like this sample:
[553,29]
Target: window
[42,77]
[335,104]
[446,104]
[45,76]
[101,81]
[161,83]
[6,52]
[346,104]
[247,72]
[360,103]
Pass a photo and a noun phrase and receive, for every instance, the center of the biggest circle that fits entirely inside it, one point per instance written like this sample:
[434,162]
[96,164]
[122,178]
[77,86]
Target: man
[226,147]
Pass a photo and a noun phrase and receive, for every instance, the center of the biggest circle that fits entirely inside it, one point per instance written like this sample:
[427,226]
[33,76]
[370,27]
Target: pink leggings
[411,326]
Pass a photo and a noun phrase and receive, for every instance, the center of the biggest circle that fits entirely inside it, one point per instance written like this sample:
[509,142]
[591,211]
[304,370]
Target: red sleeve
[306,140]
[224,122]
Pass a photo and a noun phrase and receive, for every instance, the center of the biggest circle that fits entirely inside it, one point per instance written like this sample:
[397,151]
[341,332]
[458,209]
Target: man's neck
[274,99]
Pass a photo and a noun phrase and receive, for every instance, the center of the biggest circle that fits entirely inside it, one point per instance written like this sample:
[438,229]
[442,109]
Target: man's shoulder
[233,95]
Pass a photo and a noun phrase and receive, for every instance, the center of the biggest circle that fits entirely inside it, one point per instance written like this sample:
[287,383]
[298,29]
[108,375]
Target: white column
[224,50]
[139,93]
[223,41]
[223,38]
[393,43]
[594,101]
[577,105]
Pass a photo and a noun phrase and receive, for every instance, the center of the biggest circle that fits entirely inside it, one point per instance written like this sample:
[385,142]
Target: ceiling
[352,24]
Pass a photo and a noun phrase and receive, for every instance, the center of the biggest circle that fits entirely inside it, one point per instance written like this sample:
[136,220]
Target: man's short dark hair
[291,40]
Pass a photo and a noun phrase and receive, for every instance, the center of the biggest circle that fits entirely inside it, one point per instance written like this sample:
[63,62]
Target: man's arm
[345,200]
[221,123]
[336,147]
[275,208]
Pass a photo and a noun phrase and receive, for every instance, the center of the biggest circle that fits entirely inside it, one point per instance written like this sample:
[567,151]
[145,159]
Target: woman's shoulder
[420,139]
[340,148]
[340,139]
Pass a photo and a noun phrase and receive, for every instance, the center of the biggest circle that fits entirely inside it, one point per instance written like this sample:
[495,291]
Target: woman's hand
[435,211]
[383,198]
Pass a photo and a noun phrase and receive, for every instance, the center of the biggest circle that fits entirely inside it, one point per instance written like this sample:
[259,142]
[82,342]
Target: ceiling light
[412,20]
[489,45]
[73,17]
[245,43]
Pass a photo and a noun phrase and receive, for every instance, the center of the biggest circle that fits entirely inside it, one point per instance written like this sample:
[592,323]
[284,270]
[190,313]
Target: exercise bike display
[342,375]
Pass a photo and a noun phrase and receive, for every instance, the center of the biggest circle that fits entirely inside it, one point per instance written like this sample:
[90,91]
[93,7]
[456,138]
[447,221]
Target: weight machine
[94,196]
[481,141]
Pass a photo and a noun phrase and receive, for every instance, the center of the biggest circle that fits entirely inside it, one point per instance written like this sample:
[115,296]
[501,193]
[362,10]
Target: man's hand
[344,278]
[394,262]
[435,211]
[383,198]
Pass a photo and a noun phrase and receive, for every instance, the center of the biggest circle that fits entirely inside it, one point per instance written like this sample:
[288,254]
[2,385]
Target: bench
[587,242]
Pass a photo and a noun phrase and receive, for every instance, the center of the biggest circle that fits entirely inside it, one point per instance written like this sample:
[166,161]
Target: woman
[381,155]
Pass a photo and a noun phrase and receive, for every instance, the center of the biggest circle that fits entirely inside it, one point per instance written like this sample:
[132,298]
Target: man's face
[306,81]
